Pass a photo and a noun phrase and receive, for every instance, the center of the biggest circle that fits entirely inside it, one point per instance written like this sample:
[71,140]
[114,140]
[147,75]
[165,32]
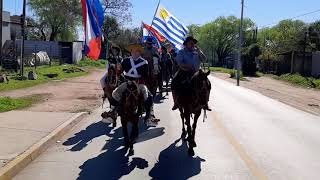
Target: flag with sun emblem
[170,27]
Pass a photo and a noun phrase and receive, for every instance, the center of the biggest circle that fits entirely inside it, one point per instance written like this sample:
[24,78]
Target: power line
[294,17]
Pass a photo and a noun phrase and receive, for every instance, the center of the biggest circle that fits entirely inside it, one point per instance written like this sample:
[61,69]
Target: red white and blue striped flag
[93,17]
[149,31]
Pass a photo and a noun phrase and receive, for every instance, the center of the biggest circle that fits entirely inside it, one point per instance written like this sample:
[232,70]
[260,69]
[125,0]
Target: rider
[166,64]
[114,61]
[151,52]
[135,68]
[188,60]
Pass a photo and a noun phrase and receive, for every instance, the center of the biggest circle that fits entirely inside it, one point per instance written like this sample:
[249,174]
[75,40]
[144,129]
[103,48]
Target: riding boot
[174,96]
[111,116]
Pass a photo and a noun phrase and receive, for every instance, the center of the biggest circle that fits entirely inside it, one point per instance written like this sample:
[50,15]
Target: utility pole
[240,44]
[23,25]
[1,14]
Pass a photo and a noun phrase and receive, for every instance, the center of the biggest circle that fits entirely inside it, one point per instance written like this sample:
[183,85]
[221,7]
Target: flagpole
[155,13]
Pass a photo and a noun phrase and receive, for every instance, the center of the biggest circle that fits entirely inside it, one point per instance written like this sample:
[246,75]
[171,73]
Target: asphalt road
[247,136]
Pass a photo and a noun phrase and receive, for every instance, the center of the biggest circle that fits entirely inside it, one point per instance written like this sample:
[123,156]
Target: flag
[93,18]
[170,27]
[148,31]
[154,32]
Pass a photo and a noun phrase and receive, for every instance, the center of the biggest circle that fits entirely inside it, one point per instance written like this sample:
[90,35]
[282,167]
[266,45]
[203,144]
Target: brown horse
[129,112]
[192,99]
[112,82]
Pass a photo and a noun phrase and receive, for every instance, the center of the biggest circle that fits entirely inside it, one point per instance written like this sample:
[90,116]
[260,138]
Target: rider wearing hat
[188,60]
[136,69]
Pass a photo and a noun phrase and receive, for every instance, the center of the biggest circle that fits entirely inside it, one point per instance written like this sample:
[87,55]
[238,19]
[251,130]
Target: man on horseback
[114,63]
[188,60]
[135,69]
[152,56]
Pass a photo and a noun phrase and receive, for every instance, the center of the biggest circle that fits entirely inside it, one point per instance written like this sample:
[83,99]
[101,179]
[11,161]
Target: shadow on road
[174,163]
[114,162]
[81,139]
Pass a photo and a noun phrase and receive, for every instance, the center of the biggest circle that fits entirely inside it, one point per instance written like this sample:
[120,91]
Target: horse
[129,112]
[191,100]
[112,81]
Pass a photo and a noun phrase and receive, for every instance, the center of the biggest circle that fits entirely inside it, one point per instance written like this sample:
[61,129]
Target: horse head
[201,85]
[131,98]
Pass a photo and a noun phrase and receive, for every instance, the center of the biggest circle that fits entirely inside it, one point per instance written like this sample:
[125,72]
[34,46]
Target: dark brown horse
[192,99]
[129,112]
[112,81]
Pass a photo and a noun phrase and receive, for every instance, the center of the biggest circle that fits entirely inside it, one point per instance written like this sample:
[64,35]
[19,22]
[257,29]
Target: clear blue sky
[201,11]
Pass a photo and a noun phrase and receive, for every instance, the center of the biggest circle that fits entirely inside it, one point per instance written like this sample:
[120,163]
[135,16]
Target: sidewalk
[19,130]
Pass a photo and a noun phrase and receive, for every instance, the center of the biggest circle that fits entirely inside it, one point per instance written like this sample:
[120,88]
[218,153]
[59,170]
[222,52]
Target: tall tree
[61,17]
[314,36]
[119,9]
[220,36]
[287,35]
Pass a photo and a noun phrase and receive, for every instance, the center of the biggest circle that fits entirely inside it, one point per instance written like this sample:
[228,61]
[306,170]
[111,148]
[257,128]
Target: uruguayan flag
[170,27]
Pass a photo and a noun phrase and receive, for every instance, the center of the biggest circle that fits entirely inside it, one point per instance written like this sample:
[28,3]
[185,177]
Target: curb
[21,161]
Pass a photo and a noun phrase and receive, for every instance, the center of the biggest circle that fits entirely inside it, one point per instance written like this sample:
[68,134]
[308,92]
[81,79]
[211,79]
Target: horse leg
[194,127]
[187,117]
[183,135]
[125,132]
[134,135]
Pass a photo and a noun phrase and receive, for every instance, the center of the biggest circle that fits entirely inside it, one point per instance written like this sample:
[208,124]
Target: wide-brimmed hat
[135,46]
[190,38]
[149,40]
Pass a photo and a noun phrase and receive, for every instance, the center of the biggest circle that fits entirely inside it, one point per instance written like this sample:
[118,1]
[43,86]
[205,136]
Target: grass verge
[231,72]
[42,71]
[86,62]
[298,80]
[8,104]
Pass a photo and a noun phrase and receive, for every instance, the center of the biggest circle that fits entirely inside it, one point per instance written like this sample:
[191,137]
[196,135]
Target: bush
[233,75]
[297,79]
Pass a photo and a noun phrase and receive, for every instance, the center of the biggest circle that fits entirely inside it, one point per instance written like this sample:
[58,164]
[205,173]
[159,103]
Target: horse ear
[208,73]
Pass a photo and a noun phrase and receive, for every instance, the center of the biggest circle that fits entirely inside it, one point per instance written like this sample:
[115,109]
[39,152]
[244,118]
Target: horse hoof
[191,152]
[131,152]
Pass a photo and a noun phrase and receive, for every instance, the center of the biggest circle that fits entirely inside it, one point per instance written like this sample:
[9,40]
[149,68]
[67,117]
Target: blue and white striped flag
[170,27]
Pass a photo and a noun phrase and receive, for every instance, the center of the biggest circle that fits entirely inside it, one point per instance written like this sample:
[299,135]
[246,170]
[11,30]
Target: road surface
[247,136]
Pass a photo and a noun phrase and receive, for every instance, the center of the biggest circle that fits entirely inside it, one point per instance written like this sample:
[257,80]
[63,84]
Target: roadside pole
[240,44]
[1,14]
[23,22]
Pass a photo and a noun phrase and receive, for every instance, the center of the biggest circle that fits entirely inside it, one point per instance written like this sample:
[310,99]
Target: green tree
[220,37]
[287,35]
[119,9]
[314,36]
[61,17]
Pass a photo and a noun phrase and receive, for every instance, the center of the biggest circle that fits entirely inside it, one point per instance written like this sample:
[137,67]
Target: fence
[64,52]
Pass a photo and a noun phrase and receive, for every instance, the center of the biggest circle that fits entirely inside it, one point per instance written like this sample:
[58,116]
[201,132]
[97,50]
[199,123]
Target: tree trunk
[53,36]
